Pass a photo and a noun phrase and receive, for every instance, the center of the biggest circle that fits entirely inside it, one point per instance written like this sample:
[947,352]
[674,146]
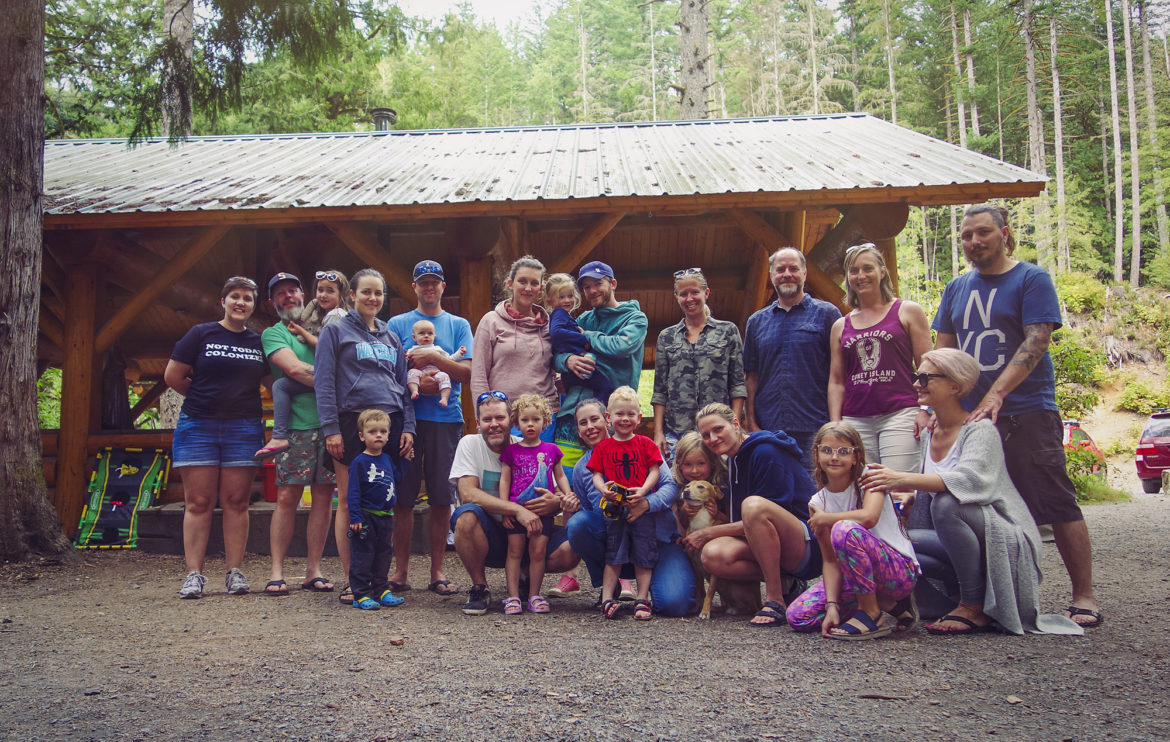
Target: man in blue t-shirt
[1004,313]
[786,356]
[438,429]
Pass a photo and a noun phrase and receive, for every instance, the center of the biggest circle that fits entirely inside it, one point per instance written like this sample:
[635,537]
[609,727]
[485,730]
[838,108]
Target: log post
[76,393]
[889,252]
[475,301]
[757,286]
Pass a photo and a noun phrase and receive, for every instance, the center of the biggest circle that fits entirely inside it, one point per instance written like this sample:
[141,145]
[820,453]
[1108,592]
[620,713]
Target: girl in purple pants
[869,563]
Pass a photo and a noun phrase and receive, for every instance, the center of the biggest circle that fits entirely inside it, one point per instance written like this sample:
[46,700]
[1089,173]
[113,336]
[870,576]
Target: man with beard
[786,356]
[301,463]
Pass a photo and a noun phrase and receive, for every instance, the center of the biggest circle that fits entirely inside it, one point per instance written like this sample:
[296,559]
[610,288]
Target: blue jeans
[672,586]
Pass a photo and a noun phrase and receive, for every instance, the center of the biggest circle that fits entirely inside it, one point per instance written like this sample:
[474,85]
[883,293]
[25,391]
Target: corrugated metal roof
[680,158]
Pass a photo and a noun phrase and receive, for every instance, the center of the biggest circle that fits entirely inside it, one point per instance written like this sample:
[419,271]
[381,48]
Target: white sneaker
[193,586]
[235,582]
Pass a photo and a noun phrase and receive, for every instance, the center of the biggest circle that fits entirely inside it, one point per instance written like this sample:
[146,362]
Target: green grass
[1092,490]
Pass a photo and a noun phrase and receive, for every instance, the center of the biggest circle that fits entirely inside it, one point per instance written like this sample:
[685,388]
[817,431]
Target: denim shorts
[497,536]
[224,443]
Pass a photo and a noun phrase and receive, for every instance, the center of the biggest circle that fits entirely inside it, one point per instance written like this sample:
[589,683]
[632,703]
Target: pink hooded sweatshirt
[513,356]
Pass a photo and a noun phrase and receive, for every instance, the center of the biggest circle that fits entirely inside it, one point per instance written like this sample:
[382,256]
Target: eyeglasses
[842,451]
[922,378]
[687,272]
[248,282]
[326,276]
[486,395]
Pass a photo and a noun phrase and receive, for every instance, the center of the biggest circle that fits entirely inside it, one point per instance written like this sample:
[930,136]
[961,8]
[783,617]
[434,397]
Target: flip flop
[772,610]
[1098,619]
[268,452]
[441,587]
[873,629]
[972,627]
[317,585]
[276,583]
[399,587]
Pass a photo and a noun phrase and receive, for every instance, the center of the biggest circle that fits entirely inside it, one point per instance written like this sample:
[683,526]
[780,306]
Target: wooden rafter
[771,240]
[51,327]
[148,399]
[366,247]
[588,239]
[177,266]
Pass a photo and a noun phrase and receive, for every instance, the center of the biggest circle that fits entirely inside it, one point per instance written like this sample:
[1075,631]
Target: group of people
[844,447]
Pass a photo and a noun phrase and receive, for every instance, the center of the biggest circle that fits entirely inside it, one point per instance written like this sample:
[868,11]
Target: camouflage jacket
[687,377]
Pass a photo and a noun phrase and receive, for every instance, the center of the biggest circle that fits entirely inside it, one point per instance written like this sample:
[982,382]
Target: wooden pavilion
[139,240]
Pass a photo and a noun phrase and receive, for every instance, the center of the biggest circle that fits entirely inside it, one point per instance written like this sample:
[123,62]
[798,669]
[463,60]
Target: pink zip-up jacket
[514,356]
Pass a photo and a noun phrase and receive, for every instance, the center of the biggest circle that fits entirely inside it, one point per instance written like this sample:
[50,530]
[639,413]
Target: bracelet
[831,602]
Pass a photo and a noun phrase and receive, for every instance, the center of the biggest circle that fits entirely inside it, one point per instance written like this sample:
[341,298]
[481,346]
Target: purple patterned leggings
[868,565]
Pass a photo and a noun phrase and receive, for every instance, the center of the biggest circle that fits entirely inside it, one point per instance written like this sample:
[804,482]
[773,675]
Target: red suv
[1153,450]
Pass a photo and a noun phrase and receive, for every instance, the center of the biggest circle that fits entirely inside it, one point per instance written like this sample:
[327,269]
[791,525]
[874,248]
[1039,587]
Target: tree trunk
[694,78]
[959,104]
[1115,118]
[970,70]
[177,74]
[813,66]
[1152,129]
[890,61]
[1135,207]
[1105,184]
[999,105]
[1062,248]
[1037,159]
[28,523]
[956,268]
[583,41]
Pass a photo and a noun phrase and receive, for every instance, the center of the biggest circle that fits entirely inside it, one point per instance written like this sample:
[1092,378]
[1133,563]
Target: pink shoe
[566,586]
[537,604]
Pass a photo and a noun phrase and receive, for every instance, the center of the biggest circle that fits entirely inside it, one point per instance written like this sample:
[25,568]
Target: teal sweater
[617,336]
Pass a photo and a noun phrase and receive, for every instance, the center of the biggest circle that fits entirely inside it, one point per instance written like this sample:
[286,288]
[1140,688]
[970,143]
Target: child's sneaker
[478,598]
[235,583]
[627,590]
[366,604]
[193,586]
[565,587]
[389,599]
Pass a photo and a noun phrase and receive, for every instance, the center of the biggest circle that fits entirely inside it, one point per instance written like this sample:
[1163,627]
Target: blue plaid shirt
[789,352]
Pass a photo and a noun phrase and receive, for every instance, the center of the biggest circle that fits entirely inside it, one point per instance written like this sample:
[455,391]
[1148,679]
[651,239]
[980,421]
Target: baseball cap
[428,268]
[596,269]
[282,277]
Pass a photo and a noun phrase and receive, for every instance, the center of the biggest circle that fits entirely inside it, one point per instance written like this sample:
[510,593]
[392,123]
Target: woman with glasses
[768,537]
[360,365]
[873,349]
[697,361]
[217,367]
[512,352]
[978,525]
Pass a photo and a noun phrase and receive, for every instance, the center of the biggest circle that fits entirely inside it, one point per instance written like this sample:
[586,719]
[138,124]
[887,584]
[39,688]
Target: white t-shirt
[886,528]
[473,458]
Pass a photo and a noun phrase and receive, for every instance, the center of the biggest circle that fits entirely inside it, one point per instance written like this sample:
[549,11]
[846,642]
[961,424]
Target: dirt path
[105,650]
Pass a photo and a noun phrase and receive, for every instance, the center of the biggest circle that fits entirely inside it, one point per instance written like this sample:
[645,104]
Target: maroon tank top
[878,364]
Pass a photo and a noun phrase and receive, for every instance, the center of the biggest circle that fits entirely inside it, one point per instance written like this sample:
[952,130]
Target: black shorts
[1033,449]
[434,450]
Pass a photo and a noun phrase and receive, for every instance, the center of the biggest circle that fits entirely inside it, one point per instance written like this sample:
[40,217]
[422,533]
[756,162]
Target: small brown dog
[698,494]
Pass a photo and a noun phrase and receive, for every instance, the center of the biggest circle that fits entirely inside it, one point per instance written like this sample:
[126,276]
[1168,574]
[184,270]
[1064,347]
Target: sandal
[512,606]
[643,610]
[1072,610]
[280,585]
[442,587]
[869,628]
[345,597]
[609,608]
[772,610]
[537,604]
[972,627]
[318,585]
[905,611]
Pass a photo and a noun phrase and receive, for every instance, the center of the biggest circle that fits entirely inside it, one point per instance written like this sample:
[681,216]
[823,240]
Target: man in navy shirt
[1004,313]
[786,356]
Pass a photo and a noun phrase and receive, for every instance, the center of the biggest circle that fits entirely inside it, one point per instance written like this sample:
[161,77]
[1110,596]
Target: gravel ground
[105,650]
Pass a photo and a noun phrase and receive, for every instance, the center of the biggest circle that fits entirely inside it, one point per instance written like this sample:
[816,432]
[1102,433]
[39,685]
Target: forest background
[1073,89]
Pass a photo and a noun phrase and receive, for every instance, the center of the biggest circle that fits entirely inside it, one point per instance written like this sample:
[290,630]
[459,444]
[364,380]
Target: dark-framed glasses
[842,451]
[687,272]
[327,276]
[922,378]
[496,394]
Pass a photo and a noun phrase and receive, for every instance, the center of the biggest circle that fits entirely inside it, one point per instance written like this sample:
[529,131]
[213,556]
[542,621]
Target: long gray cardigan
[1012,544]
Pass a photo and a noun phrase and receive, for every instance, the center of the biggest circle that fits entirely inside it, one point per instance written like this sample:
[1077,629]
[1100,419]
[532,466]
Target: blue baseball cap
[596,269]
[428,268]
[282,277]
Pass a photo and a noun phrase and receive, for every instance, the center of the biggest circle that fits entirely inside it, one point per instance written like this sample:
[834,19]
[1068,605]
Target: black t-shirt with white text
[228,366]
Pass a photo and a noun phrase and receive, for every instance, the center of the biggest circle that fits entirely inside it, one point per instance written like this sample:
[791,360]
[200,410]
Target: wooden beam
[178,265]
[475,301]
[366,247]
[51,328]
[759,286]
[147,400]
[76,393]
[771,241]
[889,251]
[587,240]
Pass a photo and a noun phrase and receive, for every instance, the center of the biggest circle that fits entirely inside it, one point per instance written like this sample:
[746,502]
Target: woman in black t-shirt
[218,366]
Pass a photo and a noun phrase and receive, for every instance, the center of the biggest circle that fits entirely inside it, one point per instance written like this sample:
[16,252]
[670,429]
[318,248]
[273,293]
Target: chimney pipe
[384,118]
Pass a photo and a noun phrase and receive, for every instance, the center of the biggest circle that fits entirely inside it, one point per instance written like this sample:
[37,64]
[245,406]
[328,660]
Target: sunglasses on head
[862,246]
[424,270]
[248,282]
[326,276]
[498,395]
[922,378]
[687,272]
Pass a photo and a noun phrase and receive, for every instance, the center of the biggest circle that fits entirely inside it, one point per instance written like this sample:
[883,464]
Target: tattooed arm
[1029,353]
